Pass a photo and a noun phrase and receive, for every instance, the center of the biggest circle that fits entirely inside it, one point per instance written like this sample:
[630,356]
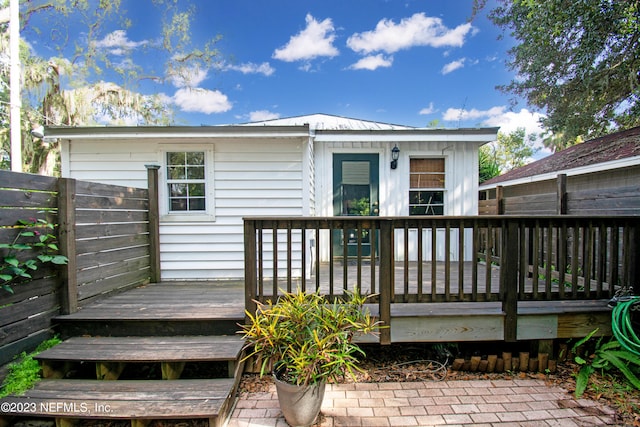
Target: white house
[318,165]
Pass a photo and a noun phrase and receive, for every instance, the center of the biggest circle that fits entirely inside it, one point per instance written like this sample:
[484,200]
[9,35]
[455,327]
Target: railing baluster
[535,279]
[461,261]
[575,261]
[434,265]
[488,261]
[289,265]
[345,255]
[525,234]
[260,263]
[419,263]
[317,256]
[274,242]
[562,258]
[303,255]
[614,259]
[373,237]
[588,258]
[331,260]
[447,262]
[474,261]
[359,257]
[406,259]
[548,261]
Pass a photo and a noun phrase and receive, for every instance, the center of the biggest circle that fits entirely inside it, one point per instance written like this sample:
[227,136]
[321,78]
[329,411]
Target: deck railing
[443,259]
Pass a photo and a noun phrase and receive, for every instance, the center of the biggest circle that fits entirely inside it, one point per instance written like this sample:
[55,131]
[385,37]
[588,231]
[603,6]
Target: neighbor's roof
[329,122]
[600,151]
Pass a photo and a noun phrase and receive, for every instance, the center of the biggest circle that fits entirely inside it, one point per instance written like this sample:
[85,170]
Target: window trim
[443,189]
[208,215]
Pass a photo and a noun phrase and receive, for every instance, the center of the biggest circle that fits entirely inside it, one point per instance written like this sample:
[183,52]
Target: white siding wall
[251,178]
[461,168]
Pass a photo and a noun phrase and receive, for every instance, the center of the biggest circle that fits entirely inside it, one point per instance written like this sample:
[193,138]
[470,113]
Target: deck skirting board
[447,329]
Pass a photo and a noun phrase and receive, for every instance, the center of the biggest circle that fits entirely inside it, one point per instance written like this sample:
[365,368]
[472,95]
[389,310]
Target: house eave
[471,135]
[173,132]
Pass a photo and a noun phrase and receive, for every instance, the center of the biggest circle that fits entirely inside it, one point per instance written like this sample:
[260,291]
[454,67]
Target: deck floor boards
[127,399]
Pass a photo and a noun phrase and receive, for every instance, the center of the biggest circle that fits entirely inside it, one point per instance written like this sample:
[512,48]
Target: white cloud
[418,30]
[428,110]
[251,68]
[372,62]
[459,114]
[199,100]
[508,121]
[262,115]
[188,77]
[452,66]
[314,41]
[117,43]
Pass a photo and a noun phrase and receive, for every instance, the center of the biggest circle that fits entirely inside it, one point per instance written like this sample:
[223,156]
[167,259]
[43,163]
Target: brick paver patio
[526,402]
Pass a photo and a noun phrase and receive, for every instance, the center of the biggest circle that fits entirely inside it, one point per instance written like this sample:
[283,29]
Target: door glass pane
[356,200]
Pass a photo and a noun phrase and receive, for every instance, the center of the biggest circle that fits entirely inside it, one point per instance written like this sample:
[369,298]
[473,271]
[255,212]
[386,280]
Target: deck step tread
[142,312]
[131,399]
[146,349]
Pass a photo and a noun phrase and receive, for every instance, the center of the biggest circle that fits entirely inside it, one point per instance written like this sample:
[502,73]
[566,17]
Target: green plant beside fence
[34,245]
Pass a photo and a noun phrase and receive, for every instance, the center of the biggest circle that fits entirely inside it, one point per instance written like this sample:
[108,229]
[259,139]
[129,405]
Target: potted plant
[306,341]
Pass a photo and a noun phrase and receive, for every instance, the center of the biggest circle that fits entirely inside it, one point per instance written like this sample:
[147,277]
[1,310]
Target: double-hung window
[187,187]
[426,186]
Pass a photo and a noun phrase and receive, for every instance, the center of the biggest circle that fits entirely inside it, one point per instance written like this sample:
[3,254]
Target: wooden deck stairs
[116,363]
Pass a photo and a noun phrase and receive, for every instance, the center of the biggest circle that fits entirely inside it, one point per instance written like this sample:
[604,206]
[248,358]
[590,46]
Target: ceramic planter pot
[300,404]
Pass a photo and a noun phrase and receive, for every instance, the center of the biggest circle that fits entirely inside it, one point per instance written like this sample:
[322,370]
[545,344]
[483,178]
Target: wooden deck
[216,308]
[173,323]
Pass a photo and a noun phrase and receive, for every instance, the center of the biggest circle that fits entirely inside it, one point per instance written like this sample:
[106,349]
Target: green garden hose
[622,326]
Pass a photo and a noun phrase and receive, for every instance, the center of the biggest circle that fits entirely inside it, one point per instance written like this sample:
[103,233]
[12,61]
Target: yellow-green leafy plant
[305,340]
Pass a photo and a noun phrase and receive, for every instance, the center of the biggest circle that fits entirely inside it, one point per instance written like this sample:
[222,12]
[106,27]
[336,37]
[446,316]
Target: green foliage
[514,149]
[576,60]
[305,338]
[36,238]
[606,357]
[488,164]
[25,372]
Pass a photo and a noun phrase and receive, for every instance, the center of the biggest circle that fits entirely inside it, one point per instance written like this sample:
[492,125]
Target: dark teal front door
[355,193]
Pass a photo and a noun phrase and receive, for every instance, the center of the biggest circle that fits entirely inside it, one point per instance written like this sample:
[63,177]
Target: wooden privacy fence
[443,259]
[597,201]
[105,231]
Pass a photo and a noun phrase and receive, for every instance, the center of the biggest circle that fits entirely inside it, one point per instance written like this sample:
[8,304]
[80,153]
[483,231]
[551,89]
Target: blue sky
[405,62]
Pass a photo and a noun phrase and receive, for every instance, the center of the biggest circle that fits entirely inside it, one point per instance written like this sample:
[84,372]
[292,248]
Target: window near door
[426,187]
[186,181]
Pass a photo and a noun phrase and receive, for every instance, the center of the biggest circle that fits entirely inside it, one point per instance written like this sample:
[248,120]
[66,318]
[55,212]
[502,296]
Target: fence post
[499,200]
[509,278]
[154,223]
[250,270]
[67,240]
[561,192]
[386,281]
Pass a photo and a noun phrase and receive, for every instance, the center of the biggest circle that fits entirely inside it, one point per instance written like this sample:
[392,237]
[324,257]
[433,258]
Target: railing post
[509,278]
[250,260]
[385,281]
[67,240]
[154,222]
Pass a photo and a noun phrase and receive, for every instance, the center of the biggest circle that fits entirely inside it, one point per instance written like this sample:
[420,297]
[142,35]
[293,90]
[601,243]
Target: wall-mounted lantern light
[395,153]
